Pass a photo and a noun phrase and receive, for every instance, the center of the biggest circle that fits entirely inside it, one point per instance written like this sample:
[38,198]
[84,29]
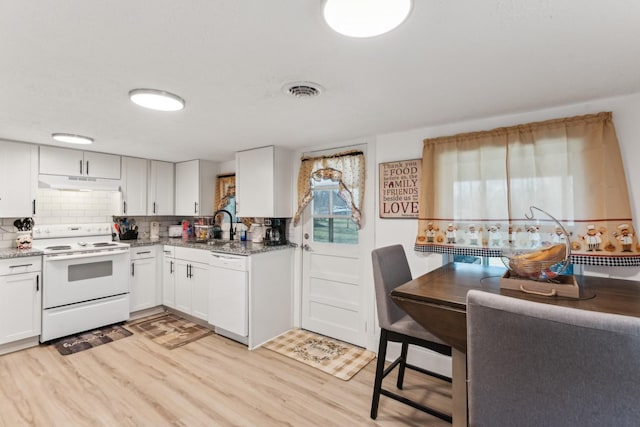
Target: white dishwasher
[229,295]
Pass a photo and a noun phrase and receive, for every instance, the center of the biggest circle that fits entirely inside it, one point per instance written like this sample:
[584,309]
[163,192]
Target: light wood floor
[210,382]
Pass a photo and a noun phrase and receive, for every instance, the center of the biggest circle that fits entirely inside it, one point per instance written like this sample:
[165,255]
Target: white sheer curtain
[480,186]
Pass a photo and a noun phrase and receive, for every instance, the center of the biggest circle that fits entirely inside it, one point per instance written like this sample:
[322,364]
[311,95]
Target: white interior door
[332,285]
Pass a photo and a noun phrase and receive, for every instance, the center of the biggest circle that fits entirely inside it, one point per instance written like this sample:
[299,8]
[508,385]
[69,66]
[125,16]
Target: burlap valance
[347,169]
[477,187]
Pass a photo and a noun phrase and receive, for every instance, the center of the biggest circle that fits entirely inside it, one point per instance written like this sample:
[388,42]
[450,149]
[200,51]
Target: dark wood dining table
[438,301]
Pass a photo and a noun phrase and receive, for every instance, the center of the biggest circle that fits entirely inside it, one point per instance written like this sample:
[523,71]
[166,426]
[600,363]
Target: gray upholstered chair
[390,270]
[536,364]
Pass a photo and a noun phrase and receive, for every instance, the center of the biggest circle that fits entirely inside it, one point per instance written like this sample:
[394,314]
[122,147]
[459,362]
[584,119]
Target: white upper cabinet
[134,186]
[160,199]
[64,161]
[263,183]
[195,186]
[18,179]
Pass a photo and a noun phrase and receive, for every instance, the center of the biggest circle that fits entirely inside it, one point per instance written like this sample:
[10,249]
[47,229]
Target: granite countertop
[235,247]
[7,253]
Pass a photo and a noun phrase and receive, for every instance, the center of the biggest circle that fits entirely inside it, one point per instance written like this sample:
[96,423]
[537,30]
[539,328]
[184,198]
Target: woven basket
[533,269]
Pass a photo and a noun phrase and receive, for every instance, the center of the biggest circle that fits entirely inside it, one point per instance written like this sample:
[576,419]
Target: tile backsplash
[68,207]
[84,207]
[61,207]
[144,224]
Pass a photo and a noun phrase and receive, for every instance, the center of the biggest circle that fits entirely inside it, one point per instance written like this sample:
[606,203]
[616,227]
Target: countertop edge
[9,253]
[243,248]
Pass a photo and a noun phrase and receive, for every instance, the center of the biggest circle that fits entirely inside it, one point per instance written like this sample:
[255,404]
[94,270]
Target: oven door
[77,277]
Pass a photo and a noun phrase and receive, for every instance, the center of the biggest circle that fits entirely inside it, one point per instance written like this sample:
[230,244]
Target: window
[479,191]
[225,196]
[332,222]
[346,171]
[231,207]
[497,262]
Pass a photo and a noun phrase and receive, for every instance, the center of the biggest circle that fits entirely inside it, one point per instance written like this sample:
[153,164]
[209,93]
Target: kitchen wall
[67,207]
[60,207]
[408,145]
[86,207]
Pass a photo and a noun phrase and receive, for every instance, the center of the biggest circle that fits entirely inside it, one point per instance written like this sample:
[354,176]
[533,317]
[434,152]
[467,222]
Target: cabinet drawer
[193,255]
[20,265]
[142,252]
[169,251]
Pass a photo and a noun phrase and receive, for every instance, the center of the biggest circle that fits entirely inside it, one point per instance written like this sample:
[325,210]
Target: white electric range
[85,278]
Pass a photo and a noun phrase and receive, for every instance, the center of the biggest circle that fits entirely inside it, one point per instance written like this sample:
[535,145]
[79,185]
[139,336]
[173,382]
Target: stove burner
[104,244]
[59,248]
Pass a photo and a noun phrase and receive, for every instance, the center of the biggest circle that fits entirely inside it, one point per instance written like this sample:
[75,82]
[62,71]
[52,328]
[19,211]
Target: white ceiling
[67,66]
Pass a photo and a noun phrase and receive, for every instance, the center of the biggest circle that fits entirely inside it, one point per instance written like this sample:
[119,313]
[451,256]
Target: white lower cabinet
[168,277]
[182,286]
[143,278]
[20,301]
[191,281]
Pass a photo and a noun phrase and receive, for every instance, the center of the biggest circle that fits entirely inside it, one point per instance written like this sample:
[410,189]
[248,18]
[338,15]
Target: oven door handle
[81,256]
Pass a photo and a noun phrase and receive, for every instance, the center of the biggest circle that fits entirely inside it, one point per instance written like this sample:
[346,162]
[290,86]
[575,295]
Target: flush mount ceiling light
[156,99]
[365,18]
[70,138]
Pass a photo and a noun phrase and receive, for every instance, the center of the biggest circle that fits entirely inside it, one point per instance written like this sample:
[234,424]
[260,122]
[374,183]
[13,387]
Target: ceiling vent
[302,89]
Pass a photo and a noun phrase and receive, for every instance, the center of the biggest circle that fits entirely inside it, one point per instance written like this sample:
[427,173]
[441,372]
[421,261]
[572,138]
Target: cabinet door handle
[154,207]
[124,206]
[143,252]
[195,207]
[170,267]
[87,167]
[38,283]
[34,206]
[133,269]
[20,265]
[80,167]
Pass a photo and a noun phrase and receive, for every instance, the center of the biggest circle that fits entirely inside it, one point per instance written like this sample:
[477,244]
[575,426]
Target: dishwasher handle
[238,263]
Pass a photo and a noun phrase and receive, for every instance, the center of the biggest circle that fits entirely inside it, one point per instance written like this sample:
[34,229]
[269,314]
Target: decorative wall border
[594,260]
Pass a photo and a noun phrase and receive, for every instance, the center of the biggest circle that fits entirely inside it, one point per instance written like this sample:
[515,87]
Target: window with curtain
[225,194]
[347,171]
[477,189]
[225,198]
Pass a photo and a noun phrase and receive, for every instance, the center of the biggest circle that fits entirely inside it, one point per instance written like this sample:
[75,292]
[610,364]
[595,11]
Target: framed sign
[400,188]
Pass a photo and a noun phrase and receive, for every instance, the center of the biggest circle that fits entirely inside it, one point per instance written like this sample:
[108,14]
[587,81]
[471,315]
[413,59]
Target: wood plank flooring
[210,382]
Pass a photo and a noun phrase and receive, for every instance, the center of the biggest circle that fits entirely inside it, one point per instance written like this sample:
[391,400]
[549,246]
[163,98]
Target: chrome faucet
[231,231]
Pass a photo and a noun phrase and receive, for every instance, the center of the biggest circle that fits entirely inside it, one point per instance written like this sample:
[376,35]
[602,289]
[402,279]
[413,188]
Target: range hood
[78,183]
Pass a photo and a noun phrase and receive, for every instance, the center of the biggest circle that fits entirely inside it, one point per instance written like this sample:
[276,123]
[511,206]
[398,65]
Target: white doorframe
[366,237]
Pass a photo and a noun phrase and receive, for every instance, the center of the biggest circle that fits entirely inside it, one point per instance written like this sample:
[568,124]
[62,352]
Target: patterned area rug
[334,357]
[86,340]
[169,330]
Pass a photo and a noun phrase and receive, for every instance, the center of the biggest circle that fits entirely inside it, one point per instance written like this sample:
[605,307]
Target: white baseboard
[19,345]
